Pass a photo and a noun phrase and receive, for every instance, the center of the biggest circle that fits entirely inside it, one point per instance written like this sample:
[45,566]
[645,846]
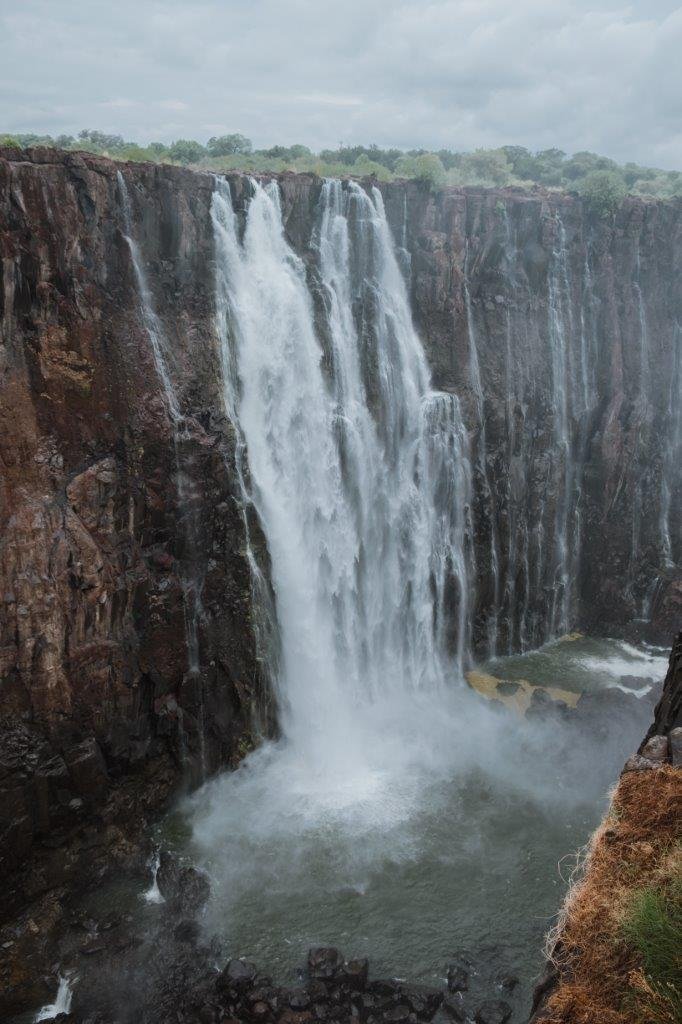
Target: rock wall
[93,639]
[573,327]
[560,334]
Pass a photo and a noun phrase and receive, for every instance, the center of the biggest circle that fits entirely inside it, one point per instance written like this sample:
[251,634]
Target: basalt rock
[97,678]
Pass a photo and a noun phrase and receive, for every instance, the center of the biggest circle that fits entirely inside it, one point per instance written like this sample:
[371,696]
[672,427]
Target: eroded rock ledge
[595,971]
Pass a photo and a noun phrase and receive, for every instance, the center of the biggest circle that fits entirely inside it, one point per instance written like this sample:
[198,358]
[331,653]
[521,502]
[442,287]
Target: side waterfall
[188,500]
[358,471]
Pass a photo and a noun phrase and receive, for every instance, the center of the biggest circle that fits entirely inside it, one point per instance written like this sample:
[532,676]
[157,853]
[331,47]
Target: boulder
[656,749]
[397,1014]
[675,740]
[237,974]
[458,978]
[324,962]
[355,973]
[495,1011]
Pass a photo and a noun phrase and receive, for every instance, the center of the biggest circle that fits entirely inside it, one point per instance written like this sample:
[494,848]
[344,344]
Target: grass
[617,943]
[653,926]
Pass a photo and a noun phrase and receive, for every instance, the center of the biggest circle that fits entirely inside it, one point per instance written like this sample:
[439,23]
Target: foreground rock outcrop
[610,955]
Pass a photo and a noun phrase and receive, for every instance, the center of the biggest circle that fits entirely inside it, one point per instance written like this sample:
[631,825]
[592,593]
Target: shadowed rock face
[560,335]
[93,549]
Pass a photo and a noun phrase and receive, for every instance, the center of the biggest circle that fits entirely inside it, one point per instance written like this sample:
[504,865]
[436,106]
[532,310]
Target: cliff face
[97,679]
[573,327]
[128,633]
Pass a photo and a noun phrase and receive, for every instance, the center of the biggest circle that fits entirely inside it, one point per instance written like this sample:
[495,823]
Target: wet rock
[424,1001]
[186,931]
[675,740]
[458,978]
[87,768]
[656,749]
[397,1014]
[324,962]
[493,1012]
[184,888]
[455,1009]
[637,763]
[237,974]
[507,982]
[354,973]
[299,999]
[386,987]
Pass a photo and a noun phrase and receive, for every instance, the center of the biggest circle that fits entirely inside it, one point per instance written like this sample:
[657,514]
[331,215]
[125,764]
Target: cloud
[174,105]
[457,73]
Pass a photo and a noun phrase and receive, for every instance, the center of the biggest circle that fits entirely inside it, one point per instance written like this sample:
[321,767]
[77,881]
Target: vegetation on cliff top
[601,181]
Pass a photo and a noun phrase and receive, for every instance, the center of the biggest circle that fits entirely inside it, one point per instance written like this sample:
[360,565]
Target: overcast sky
[448,73]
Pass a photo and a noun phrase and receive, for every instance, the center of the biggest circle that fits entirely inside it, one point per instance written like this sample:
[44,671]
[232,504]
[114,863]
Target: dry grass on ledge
[618,943]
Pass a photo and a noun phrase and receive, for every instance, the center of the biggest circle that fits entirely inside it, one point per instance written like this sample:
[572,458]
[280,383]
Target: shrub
[186,151]
[426,168]
[485,166]
[226,145]
[366,168]
[603,192]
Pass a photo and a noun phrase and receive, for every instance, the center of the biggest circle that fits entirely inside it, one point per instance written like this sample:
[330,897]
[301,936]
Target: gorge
[284,459]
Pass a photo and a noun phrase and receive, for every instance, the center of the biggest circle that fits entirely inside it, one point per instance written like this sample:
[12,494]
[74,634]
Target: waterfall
[62,1002]
[188,500]
[153,893]
[672,452]
[482,466]
[357,469]
[558,295]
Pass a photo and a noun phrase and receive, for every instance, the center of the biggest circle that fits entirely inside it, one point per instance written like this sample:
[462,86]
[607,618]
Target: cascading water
[560,335]
[482,467]
[188,502]
[62,1002]
[672,452]
[360,477]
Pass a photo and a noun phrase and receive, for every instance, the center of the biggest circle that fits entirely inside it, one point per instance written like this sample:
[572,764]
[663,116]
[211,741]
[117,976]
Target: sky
[454,74]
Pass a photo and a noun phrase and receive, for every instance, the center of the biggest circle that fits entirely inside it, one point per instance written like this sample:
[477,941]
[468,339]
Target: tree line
[600,180]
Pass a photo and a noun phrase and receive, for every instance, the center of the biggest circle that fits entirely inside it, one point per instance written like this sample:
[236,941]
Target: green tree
[9,140]
[186,151]
[366,168]
[227,145]
[583,163]
[101,142]
[486,166]
[603,192]
[426,168]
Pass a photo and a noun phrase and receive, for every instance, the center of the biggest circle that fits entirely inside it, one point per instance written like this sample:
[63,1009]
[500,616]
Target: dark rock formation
[668,714]
[93,644]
